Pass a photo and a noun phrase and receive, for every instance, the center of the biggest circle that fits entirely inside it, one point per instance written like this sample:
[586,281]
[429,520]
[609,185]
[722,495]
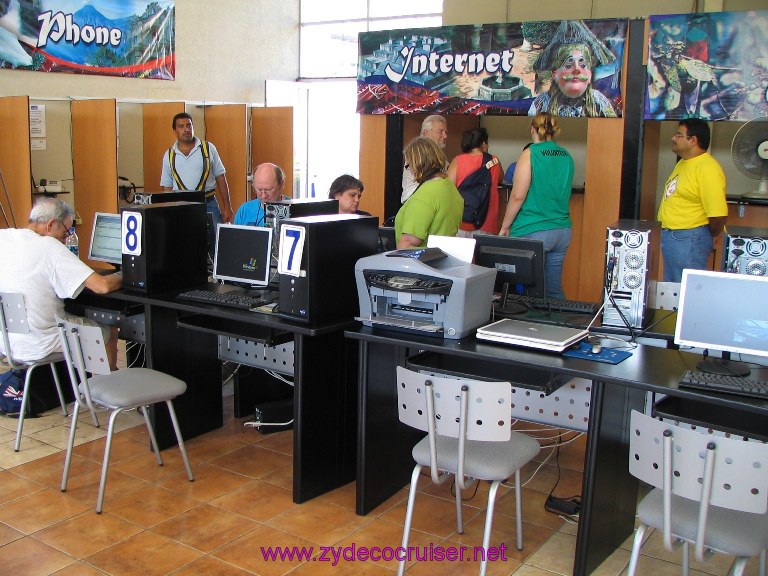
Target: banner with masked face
[568,68]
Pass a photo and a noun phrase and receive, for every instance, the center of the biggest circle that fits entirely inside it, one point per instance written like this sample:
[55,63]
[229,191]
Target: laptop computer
[532,335]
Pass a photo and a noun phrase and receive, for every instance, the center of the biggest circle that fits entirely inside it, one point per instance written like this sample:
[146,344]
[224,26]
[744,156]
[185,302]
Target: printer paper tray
[399,322]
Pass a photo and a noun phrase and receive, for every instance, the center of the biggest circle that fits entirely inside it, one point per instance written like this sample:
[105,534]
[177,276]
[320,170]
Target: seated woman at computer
[538,203]
[268,184]
[436,207]
[348,190]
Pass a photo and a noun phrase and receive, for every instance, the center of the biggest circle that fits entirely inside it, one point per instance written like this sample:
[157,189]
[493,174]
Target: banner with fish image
[566,67]
[711,65]
[129,38]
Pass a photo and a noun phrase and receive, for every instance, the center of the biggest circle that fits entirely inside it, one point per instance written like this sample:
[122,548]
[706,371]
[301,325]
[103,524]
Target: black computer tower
[326,289]
[164,246]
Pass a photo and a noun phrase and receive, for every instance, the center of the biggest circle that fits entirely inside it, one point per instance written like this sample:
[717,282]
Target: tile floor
[155,522]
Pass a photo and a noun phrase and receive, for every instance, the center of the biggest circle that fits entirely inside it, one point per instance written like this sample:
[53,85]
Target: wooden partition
[94,165]
[601,206]
[225,127]
[158,137]
[15,161]
[373,145]
[272,140]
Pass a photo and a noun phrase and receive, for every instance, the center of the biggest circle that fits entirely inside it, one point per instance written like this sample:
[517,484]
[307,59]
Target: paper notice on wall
[37,143]
[37,121]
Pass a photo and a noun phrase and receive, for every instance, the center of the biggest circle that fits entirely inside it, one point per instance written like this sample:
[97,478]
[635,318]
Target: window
[328,64]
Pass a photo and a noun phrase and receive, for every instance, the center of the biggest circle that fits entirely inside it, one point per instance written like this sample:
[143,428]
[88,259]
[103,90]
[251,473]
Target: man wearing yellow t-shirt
[693,209]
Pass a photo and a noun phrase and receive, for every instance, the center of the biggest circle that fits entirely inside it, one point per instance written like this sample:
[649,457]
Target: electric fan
[749,151]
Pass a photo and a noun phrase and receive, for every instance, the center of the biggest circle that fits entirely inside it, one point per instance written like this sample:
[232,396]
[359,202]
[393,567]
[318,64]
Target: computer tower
[632,247]
[164,246]
[325,289]
[745,250]
[279,210]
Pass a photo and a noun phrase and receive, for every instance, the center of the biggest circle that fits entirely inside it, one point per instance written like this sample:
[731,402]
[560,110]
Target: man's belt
[210,194]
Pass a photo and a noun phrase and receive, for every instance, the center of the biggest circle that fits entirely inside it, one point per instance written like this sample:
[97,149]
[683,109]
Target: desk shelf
[227,327]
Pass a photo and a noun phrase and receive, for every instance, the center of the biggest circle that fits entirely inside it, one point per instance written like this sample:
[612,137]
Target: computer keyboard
[722,383]
[233,299]
[557,304]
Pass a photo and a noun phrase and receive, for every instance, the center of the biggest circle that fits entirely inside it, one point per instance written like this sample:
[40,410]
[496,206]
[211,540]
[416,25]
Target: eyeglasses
[264,191]
[677,135]
[67,232]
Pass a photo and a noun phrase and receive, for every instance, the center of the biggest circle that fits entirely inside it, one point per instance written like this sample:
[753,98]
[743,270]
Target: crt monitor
[519,265]
[726,313]
[106,243]
[243,254]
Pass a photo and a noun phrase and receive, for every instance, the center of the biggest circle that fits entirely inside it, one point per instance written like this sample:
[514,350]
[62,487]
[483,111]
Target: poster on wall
[566,67]
[712,66]
[129,38]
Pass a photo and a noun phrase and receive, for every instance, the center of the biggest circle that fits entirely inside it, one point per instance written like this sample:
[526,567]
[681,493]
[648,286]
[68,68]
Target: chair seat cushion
[135,387]
[483,460]
[732,532]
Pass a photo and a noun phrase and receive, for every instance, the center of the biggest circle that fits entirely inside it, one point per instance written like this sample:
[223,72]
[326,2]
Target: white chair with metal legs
[118,391]
[710,491]
[469,438]
[13,320]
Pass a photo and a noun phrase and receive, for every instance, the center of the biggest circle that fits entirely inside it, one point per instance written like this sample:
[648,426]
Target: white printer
[424,290]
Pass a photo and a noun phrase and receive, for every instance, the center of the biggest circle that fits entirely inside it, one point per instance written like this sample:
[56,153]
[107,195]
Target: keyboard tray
[529,378]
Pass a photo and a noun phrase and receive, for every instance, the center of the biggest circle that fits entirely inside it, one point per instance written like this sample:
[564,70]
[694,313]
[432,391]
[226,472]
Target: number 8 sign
[131,233]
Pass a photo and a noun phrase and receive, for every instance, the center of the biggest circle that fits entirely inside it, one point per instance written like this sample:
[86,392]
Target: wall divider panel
[15,160]
[373,147]
[225,127]
[272,141]
[94,165]
[158,137]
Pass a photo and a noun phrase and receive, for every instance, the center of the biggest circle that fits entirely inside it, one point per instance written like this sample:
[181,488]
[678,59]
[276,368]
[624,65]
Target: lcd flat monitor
[519,265]
[106,245]
[724,312]
[243,254]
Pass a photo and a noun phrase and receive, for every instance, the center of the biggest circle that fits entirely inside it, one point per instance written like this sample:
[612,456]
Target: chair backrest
[84,348]
[487,405]
[739,469]
[13,320]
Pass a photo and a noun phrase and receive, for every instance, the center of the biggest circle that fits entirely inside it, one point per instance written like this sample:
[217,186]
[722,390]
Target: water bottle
[73,243]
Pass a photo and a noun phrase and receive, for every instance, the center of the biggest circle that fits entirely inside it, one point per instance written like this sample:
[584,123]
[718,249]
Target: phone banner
[130,38]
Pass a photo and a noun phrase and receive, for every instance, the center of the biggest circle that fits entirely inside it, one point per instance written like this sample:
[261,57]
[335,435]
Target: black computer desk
[182,340]
[609,492]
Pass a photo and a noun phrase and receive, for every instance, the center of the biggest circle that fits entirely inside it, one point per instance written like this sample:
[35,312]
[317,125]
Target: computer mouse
[596,348]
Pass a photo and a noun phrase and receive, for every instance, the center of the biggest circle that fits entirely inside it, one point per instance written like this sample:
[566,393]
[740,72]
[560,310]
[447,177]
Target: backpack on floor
[476,191]
[12,394]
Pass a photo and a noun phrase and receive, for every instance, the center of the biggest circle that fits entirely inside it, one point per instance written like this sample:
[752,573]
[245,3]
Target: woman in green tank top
[538,203]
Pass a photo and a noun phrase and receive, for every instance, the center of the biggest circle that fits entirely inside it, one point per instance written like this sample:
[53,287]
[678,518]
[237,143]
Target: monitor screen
[106,243]
[519,263]
[243,254]
[723,311]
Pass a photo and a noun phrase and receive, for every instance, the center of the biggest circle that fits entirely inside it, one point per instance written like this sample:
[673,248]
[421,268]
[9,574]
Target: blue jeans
[685,249]
[556,244]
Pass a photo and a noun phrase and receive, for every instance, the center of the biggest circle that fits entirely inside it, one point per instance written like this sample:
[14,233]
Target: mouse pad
[608,355]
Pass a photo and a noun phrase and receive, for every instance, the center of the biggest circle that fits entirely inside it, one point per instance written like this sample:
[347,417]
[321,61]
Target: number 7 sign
[291,249]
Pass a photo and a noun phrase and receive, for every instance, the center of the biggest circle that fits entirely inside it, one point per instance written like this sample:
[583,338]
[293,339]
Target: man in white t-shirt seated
[36,263]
